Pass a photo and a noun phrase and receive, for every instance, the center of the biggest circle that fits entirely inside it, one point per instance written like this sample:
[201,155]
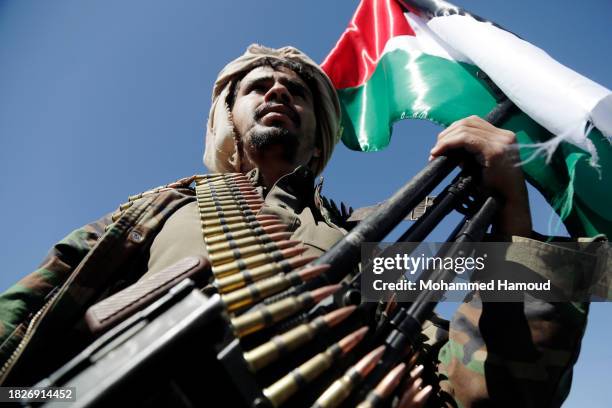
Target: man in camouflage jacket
[275,116]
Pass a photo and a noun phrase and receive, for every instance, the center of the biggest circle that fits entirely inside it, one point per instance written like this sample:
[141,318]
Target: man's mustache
[268,107]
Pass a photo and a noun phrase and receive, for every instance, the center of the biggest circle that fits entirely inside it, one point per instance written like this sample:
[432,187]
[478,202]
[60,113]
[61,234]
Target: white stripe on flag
[556,97]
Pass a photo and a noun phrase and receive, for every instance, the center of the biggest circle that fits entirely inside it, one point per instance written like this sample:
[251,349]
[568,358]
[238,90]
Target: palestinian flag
[426,59]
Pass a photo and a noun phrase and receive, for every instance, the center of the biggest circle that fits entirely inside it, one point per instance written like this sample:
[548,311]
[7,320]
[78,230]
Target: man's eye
[296,91]
[259,88]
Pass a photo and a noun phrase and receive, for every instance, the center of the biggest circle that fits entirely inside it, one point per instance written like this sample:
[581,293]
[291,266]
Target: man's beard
[260,140]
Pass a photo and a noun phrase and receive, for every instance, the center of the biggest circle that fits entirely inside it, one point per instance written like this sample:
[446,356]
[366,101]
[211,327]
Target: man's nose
[278,93]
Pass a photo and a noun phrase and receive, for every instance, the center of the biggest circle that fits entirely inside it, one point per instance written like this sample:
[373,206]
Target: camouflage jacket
[91,262]
[526,361]
[105,256]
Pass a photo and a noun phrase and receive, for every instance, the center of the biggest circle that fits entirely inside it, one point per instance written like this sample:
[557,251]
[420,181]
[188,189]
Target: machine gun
[263,346]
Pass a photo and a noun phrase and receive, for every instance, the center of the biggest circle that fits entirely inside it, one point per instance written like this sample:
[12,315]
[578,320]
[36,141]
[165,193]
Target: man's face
[273,113]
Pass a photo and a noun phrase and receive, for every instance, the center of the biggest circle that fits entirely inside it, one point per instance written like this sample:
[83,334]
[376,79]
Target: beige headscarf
[221,153]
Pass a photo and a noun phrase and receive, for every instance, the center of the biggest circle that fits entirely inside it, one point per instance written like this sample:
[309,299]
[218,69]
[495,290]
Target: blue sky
[103,99]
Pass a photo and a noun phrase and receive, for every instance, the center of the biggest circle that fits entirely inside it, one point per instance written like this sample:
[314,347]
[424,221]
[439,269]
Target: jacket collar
[295,190]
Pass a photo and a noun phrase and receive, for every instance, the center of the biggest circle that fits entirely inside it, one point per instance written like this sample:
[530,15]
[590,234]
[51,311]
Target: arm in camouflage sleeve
[513,354]
[22,300]
[508,354]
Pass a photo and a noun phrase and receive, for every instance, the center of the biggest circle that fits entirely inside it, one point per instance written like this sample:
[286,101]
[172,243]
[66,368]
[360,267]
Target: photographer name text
[498,284]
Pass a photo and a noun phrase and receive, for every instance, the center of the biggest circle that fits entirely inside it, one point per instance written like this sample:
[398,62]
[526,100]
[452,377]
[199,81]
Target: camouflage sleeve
[512,354]
[22,300]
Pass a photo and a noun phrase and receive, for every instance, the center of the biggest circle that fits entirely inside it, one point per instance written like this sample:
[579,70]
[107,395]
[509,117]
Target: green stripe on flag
[407,86]
[423,86]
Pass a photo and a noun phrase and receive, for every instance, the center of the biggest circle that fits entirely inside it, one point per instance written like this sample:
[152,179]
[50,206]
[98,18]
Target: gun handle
[116,308]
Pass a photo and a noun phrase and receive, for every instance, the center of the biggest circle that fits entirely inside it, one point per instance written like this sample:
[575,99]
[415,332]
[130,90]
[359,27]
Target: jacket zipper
[27,336]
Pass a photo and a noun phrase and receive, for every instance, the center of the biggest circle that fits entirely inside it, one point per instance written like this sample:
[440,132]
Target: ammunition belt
[253,259]
[251,255]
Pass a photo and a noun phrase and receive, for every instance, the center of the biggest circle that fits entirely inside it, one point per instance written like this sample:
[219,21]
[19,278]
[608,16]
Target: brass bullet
[222,257]
[209,215]
[202,178]
[238,219]
[233,185]
[243,179]
[284,388]
[337,316]
[272,350]
[391,304]
[267,315]
[216,207]
[223,204]
[384,389]
[226,192]
[226,187]
[222,176]
[253,293]
[241,279]
[135,197]
[248,240]
[224,228]
[256,260]
[257,232]
[213,209]
[342,387]
[125,206]
[227,180]
[233,180]
[224,232]
[413,359]
[207,196]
